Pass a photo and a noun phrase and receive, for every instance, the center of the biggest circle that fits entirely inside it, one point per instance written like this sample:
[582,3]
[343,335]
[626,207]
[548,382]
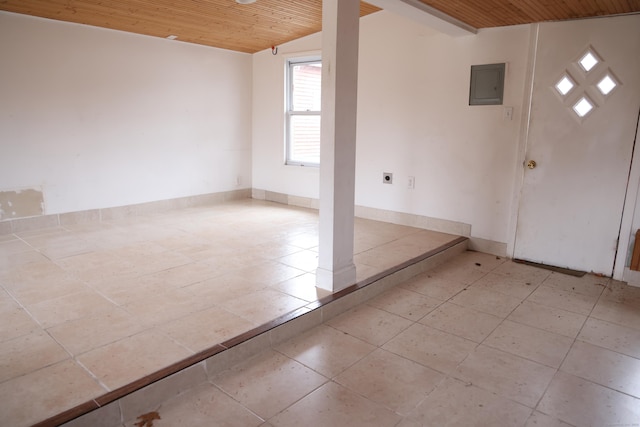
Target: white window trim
[289,62]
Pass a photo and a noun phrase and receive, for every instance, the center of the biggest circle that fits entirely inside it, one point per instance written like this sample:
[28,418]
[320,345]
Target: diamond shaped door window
[583,106]
[607,84]
[588,61]
[565,85]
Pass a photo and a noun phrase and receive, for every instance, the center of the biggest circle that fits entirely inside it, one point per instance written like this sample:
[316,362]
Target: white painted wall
[100,118]
[413,120]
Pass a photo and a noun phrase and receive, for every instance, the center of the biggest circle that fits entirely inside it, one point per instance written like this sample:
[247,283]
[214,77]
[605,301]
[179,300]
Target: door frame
[523,139]
[628,210]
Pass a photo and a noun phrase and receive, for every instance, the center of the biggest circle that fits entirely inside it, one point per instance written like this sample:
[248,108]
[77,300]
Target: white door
[571,202]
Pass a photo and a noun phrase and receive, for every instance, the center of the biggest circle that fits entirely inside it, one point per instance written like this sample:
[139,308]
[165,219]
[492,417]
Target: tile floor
[90,307]
[478,341]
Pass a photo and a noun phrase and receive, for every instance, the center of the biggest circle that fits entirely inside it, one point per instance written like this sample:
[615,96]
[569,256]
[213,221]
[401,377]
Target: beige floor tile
[157,262]
[304,260]
[333,405]
[274,249]
[268,383]
[510,376]
[74,306]
[15,320]
[588,285]
[531,343]
[13,246]
[34,292]
[370,324]
[185,275]
[160,308]
[487,262]
[81,335]
[326,350]
[269,273]
[434,287]
[604,367]
[538,419]
[489,302]
[7,303]
[408,304]
[366,271]
[624,314]
[455,403]
[390,380]
[235,260]
[524,272]
[22,259]
[41,272]
[380,257]
[462,321]
[25,400]
[123,361]
[263,306]
[302,287]
[224,288]
[65,248]
[614,337]
[465,273]
[621,293]
[203,329]
[302,240]
[141,249]
[105,416]
[595,405]
[364,243]
[565,300]
[15,323]
[203,406]
[547,318]
[29,353]
[6,237]
[96,266]
[507,285]
[130,290]
[430,347]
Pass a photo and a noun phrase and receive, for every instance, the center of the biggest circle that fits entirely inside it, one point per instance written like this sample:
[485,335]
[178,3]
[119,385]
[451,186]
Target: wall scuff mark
[21,203]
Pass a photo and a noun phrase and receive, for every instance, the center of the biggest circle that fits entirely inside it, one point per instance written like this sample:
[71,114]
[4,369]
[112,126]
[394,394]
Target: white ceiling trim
[426,15]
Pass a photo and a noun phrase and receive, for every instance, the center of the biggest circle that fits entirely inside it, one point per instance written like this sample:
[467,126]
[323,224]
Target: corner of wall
[488,246]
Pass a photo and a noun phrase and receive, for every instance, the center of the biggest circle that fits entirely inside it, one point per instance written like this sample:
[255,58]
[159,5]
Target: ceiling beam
[426,15]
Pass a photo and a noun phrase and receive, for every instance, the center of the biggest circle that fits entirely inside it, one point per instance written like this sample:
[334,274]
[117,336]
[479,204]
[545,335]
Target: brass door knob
[531,164]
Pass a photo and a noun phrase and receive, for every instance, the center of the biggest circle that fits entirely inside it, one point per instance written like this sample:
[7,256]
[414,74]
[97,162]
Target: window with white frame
[304,77]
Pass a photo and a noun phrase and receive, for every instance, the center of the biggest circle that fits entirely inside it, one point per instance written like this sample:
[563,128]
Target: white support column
[340,31]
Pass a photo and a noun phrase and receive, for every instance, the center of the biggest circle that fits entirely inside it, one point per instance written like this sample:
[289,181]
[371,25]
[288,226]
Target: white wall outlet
[411,182]
[387,178]
[507,113]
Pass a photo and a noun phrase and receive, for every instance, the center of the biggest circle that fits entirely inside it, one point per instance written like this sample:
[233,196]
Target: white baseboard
[401,218]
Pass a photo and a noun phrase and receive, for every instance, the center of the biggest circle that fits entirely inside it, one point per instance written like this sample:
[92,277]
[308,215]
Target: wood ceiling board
[218,23]
[499,13]
[254,27]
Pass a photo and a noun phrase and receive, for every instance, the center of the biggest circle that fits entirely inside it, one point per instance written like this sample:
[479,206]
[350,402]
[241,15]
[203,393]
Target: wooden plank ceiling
[218,23]
[499,13]
[254,27]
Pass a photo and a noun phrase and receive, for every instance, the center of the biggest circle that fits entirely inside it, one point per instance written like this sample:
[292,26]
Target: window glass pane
[304,139]
[564,86]
[583,107]
[306,86]
[588,61]
[606,85]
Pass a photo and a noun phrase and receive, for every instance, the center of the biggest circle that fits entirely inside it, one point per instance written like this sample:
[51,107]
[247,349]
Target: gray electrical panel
[487,84]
